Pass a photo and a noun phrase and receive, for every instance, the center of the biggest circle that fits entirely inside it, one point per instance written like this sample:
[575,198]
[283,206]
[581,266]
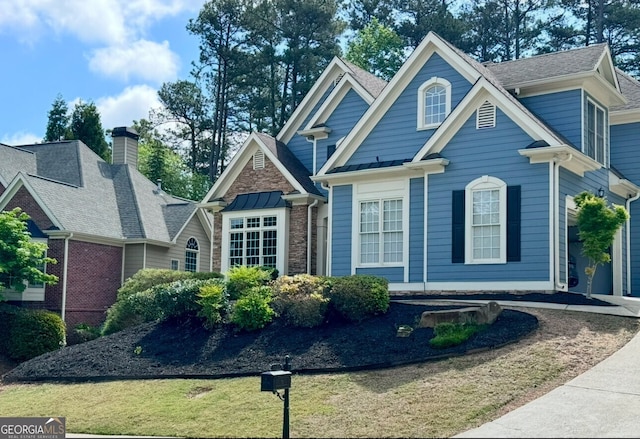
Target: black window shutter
[457,231]
[513,223]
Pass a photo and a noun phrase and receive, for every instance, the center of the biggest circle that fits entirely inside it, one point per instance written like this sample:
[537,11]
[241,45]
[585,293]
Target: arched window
[434,103]
[191,255]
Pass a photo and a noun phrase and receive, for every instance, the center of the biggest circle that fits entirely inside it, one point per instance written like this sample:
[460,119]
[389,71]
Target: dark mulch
[558,297]
[187,350]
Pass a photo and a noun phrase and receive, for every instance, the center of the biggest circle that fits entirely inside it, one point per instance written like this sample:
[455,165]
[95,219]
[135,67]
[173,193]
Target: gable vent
[258,160]
[338,79]
[486,116]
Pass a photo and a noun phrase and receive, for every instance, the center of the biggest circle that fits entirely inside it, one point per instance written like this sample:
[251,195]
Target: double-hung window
[486,219]
[595,132]
[381,234]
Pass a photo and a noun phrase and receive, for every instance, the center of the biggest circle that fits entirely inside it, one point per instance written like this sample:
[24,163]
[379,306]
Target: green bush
[35,332]
[253,311]
[174,300]
[7,314]
[358,297]
[240,279]
[452,334]
[214,303]
[300,300]
[83,332]
[149,277]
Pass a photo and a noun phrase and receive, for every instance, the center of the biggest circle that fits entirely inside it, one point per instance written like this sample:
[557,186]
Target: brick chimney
[125,146]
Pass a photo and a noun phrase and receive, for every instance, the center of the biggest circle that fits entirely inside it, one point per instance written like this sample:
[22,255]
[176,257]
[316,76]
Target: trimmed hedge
[27,333]
[253,311]
[241,279]
[300,299]
[150,277]
[359,296]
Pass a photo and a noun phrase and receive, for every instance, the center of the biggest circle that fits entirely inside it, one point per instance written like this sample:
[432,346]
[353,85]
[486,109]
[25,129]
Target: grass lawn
[434,399]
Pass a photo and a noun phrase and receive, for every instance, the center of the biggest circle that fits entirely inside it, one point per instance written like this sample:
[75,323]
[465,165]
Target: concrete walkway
[603,402]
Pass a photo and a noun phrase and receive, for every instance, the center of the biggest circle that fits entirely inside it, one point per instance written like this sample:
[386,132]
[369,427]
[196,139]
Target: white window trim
[282,228]
[485,183]
[197,252]
[380,191]
[422,101]
[605,153]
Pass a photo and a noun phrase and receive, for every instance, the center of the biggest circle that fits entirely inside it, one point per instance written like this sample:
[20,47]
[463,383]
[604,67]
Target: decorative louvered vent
[486,116]
[258,160]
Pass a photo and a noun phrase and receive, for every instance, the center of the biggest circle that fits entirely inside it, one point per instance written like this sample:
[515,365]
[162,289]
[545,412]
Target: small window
[434,103]
[191,255]
[486,116]
[175,264]
[258,160]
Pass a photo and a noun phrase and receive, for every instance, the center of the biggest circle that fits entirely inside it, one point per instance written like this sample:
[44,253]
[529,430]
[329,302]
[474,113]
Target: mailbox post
[275,380]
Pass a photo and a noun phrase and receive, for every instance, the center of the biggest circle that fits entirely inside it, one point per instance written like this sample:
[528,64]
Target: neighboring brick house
[102,222]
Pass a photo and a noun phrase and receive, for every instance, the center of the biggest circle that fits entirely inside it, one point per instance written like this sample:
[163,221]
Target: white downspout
[628,225]
[65,270]
[309,233]
[213,222]
[313,140]
[562,286]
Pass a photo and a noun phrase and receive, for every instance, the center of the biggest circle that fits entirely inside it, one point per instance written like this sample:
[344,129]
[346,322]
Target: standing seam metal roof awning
[256,200]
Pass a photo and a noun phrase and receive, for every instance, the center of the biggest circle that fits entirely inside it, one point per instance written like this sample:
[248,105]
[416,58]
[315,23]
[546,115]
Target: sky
[114,53]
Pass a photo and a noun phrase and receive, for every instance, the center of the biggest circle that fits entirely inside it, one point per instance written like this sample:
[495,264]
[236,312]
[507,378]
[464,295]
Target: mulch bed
[562,298]
[173,349]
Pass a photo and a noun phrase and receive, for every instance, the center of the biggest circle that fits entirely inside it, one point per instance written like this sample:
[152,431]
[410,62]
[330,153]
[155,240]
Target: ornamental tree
[597,226]
[21,259]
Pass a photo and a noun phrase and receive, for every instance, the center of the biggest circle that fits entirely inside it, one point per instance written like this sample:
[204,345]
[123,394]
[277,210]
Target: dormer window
[434,103]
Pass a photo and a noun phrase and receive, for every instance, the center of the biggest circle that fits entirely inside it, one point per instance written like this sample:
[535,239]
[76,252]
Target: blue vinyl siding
[392,274]
[473,153]
[416,230]
[396,135]
[298,145]
[625,141]
[341,234]
[561,111]
[341,121]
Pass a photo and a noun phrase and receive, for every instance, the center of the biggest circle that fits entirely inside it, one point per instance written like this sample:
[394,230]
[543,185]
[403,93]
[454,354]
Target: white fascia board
[624,116]
[622,187]
[303,199]
[335,97]
[335,68]
[86,237]
[430,45]
[566,156]
[482,91]
[21,180]
[368,175]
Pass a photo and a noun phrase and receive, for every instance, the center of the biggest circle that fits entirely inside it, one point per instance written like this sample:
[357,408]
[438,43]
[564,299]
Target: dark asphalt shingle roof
[369,81]
[87,195]
[290,162]
[630,88]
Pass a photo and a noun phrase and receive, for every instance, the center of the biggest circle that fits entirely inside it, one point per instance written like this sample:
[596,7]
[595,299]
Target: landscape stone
[484,314]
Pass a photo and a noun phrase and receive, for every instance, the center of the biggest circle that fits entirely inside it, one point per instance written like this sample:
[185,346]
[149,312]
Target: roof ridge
[542,55]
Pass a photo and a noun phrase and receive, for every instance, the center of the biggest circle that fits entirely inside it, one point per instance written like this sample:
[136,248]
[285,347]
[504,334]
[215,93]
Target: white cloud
[91,21]
[20,138]
[142,59]
[132,104]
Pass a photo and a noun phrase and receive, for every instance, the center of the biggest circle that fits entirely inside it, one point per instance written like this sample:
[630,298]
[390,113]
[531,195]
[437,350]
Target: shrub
[174,300]
[82,333]
[359,296]
[300,300]
[149,277]
[214,303]
[452,334]
[240,279]
[35,332]
[253,311]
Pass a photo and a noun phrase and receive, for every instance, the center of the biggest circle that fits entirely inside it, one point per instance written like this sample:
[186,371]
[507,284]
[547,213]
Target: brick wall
[263,180]
[25,201]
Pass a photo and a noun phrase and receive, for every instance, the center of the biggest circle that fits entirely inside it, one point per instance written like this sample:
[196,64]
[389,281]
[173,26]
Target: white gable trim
[335,97]
[483,91]
[204,221]
[21,180]
[430,44]
[231,173]
[334,70]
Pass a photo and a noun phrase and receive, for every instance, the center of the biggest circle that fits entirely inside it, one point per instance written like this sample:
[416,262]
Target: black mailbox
[275,380]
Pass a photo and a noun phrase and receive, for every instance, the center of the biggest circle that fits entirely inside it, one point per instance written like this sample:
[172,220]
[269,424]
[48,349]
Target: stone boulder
[484,314]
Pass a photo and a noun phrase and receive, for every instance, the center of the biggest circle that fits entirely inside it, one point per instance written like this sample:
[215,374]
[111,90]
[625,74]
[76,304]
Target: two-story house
[454,176]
